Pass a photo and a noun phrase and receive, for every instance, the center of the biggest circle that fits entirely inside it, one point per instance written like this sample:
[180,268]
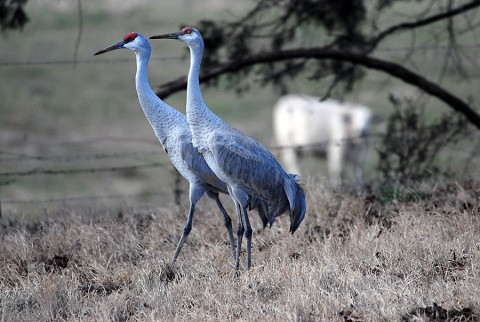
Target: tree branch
[424,22]
[390,68]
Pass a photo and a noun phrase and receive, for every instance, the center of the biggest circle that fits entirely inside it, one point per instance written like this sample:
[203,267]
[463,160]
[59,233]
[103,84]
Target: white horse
[339,130]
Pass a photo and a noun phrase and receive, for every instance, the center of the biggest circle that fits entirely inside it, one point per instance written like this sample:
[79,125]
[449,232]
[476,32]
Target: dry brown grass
[353,259]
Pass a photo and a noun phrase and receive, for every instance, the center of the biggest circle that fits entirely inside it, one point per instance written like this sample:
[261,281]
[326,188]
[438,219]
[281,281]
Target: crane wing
[249,162]
[197,164]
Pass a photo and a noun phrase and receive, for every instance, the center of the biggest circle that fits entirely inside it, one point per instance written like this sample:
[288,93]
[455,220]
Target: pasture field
[65,117]
[353,259]
[89,221]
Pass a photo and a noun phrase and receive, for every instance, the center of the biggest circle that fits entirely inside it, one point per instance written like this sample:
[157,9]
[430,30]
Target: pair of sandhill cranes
[213,156]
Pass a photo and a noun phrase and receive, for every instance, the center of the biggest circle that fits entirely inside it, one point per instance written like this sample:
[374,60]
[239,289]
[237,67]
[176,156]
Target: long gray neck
[195,101]
[162,117]
[199,117]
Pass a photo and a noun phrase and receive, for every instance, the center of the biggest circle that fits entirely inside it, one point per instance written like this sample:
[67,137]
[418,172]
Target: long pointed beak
[173,35]
[118,45]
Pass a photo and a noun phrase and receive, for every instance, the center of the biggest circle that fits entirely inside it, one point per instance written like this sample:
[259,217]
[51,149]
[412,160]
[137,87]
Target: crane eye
[130,37]
[187,30]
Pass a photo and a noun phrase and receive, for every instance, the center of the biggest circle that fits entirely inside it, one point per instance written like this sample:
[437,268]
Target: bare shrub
[412,143]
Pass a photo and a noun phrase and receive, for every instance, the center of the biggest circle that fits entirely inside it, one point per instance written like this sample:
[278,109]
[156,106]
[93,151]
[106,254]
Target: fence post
[177,189]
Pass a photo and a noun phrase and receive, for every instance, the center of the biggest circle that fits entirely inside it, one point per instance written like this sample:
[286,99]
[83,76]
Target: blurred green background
[62,116]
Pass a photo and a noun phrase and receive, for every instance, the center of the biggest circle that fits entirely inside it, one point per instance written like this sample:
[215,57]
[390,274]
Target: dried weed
[354,259]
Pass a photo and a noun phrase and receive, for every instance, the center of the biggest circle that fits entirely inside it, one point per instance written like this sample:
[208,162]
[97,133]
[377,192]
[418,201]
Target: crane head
[187,35]
[133,41]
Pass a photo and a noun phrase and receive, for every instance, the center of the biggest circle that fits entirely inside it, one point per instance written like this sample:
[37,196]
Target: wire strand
[13,156]
[86,198]
[85,61]
[41,171]
[121,60]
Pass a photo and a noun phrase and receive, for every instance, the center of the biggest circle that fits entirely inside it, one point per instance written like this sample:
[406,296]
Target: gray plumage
[173,132]
[245,165]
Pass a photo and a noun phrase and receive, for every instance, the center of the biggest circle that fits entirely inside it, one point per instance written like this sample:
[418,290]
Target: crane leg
[240,232]
[195,195]
[186,231]
[227,222]
[248,236]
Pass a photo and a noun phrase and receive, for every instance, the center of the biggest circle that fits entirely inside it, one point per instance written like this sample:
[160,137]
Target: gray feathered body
[245,165]
[172,130]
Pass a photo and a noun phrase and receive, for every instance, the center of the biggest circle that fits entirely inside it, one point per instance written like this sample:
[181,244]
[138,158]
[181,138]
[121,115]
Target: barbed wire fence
[7,178]
[75,61]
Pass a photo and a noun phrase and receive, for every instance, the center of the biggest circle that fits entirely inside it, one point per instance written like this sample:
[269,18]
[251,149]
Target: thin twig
[80,31]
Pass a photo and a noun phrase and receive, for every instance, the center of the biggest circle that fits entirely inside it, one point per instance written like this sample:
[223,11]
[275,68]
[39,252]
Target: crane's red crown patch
[187,30]
[130,37]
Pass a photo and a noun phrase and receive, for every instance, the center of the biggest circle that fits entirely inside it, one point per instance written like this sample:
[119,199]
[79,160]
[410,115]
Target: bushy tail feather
[289,188]
[294,195]
[281,207]
[264,211]
[293,201]
[298,213]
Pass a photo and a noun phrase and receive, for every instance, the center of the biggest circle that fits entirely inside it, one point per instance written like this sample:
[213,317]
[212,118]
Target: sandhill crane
[171,128]
[245,165]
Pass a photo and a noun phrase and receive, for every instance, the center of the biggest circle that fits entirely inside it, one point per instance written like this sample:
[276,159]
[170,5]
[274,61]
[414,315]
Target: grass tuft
[354,258]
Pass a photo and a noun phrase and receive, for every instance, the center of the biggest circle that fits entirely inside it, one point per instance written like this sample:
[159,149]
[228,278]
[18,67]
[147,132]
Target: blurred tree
[279,40]
[12,14]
